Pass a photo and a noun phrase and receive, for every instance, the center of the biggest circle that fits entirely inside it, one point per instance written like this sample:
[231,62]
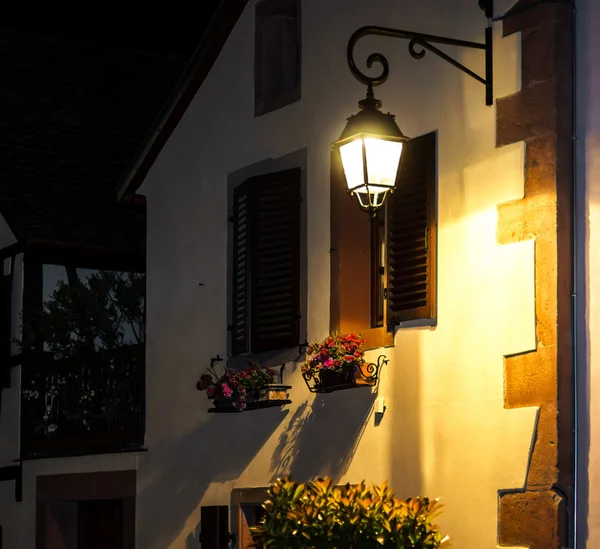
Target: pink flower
[239,405]
[210,391]
[328,363]
[226,390]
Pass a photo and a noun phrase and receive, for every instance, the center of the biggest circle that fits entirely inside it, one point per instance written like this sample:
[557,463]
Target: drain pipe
[576,196]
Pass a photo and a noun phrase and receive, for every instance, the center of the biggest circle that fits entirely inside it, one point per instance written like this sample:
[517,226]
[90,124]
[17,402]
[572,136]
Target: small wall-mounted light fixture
[371,144]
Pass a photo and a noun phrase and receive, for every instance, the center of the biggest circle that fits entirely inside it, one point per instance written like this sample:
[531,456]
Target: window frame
[240,498]
[293,161]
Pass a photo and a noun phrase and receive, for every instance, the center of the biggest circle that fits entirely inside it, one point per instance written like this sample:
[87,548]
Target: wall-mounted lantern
[371,144]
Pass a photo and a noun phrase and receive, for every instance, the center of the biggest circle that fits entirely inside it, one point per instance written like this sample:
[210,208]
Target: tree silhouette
[101,312]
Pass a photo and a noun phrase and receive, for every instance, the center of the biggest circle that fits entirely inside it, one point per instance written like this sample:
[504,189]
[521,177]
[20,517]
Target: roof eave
[206,54]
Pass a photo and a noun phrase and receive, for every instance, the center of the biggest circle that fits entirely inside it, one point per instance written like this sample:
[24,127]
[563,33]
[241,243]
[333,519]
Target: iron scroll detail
[425,43]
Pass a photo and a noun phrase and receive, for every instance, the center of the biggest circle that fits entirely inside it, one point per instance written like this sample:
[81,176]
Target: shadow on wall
[174,476]
[321,439]
[403,386]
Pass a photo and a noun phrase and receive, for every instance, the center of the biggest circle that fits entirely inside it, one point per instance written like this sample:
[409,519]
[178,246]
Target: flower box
[265,397]
[249,388]
[338,363]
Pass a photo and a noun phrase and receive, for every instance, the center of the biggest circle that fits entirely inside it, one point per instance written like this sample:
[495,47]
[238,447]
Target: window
[84,353]
[86,511]
[247,511]
[265,297]
[383,270]
[277,66]
[249,515]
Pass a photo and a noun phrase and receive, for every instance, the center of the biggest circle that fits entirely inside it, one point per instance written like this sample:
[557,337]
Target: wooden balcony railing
[88,403]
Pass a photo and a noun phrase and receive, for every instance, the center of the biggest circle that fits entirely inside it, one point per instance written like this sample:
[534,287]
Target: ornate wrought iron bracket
[357,375]
[418,45]
[215,359]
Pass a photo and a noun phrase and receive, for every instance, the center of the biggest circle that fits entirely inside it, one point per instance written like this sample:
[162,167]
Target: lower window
[86,511]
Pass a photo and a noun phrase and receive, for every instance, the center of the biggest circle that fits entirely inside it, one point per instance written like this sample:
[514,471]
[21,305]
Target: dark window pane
[100,524]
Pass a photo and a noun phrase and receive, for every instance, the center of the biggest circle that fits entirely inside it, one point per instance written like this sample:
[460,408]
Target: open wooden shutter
[240,315]
[275,260]
[411,234]
[5,328]
[214,527]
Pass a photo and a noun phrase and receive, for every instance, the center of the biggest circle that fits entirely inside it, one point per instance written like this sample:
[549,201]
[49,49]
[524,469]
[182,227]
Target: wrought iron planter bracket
[369,375]
[258,404]
[215,359]
[417,47]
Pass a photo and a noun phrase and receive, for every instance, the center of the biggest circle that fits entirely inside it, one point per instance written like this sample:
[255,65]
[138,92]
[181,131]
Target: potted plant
[338,362]
[238,390]
[320,515]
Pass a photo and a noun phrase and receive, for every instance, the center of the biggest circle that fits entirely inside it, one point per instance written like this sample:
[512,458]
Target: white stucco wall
[588,344]
[445,432]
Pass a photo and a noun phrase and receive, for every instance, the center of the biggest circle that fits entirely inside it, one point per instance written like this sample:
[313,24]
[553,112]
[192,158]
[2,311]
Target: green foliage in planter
[320,515]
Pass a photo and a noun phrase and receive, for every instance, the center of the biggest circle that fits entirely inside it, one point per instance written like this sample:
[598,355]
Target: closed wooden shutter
[277,54]
[240,316]
[275,260]
[214,527]
[5,329]
[411,234]
[266,263]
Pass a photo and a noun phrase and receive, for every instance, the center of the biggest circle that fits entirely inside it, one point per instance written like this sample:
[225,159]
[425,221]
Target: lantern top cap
[370,120]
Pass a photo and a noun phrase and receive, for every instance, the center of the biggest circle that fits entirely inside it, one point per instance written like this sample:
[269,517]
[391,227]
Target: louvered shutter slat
[411,234]
[240,298]
[275,263]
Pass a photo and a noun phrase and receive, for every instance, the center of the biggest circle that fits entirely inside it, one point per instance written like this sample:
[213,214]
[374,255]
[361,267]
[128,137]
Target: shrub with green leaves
[319,515]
